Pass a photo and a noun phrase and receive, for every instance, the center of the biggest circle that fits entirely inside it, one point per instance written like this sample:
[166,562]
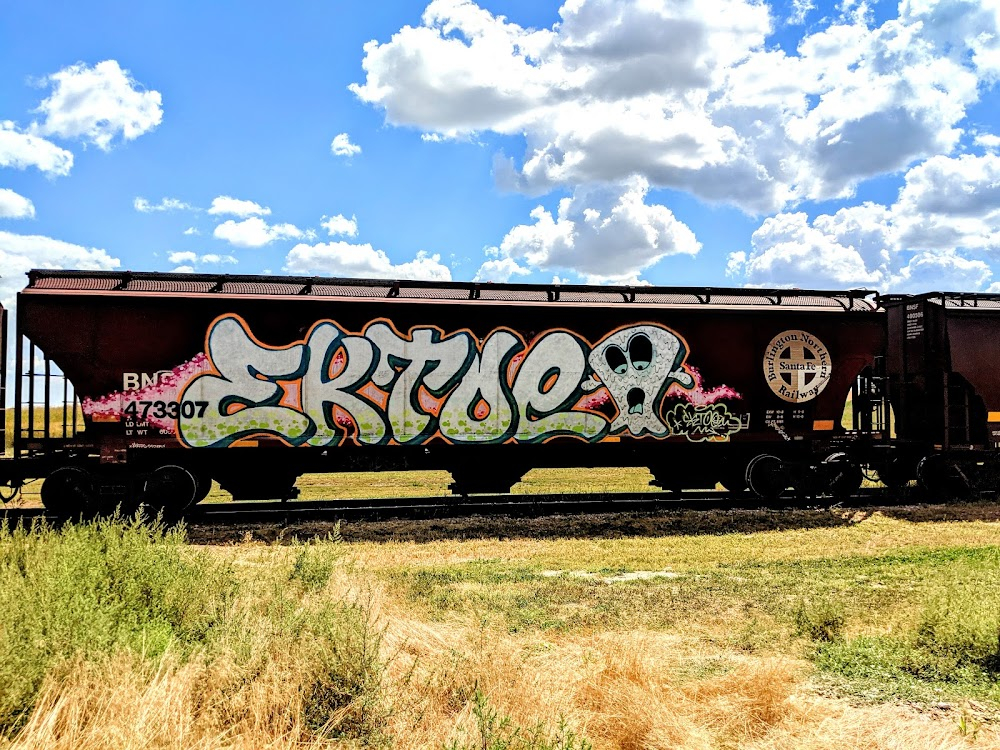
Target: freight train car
[942,378]
[169,381]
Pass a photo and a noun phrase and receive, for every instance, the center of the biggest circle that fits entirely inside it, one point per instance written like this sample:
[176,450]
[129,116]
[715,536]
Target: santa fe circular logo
[797,366]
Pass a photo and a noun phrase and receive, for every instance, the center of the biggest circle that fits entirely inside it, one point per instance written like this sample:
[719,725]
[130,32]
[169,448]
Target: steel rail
[440,507]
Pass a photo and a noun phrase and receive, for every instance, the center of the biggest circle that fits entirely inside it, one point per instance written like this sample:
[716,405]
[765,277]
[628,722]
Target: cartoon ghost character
[637,365]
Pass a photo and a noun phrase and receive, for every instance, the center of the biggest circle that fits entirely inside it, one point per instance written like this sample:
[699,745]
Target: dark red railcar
[944,385]
[253,381]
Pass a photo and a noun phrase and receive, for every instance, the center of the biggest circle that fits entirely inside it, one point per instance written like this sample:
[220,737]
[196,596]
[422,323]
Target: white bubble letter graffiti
[245,397]
[406,364]
[546,387]
[322,389]
[483,385]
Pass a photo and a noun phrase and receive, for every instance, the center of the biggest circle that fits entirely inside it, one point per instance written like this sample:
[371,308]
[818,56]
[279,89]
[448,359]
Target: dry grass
[702,678]
[623,691]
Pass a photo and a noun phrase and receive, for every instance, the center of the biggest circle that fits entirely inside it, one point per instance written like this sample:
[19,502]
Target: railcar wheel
[68,490]
[942,479]
[169,489]
[766,477]
[895,474]
[843,476]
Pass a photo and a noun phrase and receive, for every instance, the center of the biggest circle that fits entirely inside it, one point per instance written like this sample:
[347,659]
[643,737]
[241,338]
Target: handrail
[114,282]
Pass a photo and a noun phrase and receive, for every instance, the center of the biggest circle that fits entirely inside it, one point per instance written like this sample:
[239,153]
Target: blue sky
[709,142]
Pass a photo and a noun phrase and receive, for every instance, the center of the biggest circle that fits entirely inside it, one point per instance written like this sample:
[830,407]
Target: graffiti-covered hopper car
[252,381]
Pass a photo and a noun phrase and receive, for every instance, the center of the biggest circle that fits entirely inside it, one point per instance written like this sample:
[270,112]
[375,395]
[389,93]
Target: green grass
[98,590]
[361,485]
[918,622]
[951,648]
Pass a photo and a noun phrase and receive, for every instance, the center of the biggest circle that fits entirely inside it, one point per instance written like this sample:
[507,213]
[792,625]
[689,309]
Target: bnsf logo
[133,381]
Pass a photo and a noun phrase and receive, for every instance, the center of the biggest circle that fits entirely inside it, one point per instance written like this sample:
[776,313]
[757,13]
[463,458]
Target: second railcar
[942,379]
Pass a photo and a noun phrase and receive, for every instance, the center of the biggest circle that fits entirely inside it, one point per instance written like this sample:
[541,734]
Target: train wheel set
[142,388]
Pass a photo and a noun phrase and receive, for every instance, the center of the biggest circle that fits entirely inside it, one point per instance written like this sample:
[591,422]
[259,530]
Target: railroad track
[439,507]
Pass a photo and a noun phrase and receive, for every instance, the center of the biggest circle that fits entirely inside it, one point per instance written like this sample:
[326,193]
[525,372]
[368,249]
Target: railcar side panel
[205,372]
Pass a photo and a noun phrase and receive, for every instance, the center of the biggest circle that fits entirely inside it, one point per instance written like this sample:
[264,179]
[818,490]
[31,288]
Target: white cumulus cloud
[340,225]
[789,250]
[947,212]
[166,204]
[19,253]
[500,270]
[183,257]
[607,234]
[98,104]
[949,203]
[344,259]
[224,205]
[988,141]
[217,259]
[946,271]
[692,94]
[190,258]
[15,206]
[22,150]
[255,232]
[342,146]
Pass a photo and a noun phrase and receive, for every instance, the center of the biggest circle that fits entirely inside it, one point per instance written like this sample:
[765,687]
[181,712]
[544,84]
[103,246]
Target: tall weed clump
[121,618]
[957,639]
[952,645]
[498,731]
[83,590]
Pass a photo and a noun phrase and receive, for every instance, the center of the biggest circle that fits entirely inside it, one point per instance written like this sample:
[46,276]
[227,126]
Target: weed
[819,620]
[953,647]
[500,732]
[345,696]
[96,588]
[314,562]
[78,599]
[968,727]
[956,633]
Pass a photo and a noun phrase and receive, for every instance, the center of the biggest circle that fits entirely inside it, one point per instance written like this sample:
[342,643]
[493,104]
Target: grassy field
[808,629]
[740,629]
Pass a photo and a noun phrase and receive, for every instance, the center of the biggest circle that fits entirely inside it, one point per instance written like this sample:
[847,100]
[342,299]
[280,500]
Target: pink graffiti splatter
[698,395]
[596,400]
[167,389]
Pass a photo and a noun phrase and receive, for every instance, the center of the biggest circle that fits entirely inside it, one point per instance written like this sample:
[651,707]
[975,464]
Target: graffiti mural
[700,423]
[637,365]
[382,386]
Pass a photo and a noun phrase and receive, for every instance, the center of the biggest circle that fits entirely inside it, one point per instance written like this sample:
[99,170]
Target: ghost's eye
[615,358]
[640,351]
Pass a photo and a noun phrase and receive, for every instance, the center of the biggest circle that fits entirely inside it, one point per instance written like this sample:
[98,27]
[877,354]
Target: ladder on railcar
[870,410]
